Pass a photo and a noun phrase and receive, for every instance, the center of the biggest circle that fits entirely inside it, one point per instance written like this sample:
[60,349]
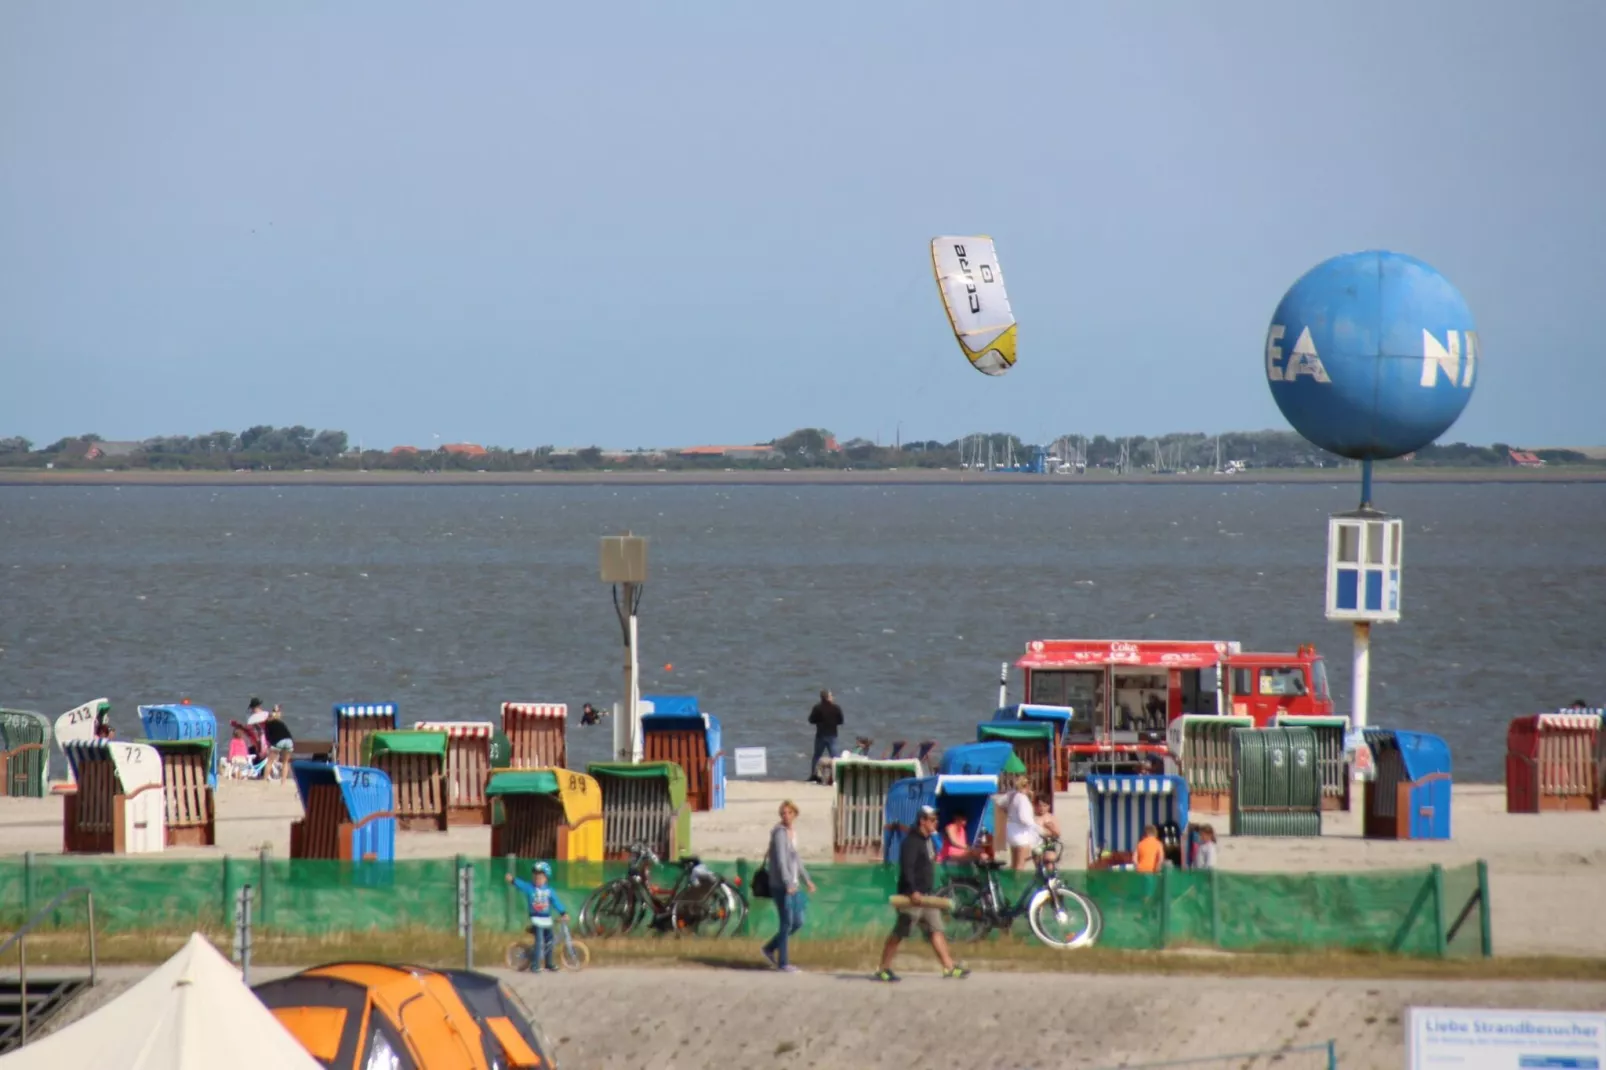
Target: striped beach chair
[537,732]
[468,768]
[355,722]
[1120,806]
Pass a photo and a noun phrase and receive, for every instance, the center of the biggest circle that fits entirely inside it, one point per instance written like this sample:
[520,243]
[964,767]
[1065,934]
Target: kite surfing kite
[972,287]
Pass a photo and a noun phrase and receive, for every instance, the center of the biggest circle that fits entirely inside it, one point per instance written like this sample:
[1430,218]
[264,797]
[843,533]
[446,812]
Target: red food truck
[1126,692]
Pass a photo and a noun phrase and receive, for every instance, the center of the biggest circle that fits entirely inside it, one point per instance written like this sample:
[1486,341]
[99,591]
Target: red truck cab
[1266,685]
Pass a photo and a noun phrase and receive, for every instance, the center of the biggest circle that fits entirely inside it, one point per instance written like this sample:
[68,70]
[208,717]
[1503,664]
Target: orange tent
[350,1015]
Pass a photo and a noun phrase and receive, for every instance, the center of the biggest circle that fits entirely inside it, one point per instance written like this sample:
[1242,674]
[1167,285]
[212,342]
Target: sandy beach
[1547,873]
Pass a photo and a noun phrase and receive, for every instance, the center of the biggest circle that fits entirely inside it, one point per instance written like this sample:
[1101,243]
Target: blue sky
[662,223]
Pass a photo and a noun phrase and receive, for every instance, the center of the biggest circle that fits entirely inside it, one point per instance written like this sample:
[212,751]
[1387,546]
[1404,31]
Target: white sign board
[750,761]
[1505,1040]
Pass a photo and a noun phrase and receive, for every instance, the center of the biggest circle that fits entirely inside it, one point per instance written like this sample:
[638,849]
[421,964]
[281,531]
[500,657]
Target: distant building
[738,453]
[464,449]
[94,451]
[1524,459]
[397,451]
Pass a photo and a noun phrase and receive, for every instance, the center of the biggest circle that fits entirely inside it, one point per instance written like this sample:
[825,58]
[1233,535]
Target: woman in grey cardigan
[787,872]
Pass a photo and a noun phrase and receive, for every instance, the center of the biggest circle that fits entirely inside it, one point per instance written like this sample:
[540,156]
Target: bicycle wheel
[1064,918]
[611,910]
[517,955]
[738,905]
[573,955]
[706,915]
[968,921]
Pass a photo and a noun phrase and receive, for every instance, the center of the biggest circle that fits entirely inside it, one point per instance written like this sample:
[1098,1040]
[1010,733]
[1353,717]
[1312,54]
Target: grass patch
[67,948]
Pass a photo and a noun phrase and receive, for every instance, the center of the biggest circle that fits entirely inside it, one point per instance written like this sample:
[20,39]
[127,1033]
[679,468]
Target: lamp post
[624,567]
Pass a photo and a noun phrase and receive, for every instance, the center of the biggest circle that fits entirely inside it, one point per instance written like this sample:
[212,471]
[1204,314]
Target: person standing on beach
[786,872]
[916,874]
[281,745]
[1021,831]
[1150,853]
[826,717]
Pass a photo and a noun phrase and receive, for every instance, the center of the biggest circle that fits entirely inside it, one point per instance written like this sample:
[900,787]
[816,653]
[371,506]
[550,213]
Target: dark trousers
[824,747]
[545,941]
[789,913]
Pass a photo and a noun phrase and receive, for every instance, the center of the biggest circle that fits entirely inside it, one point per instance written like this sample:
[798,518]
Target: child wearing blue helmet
[543,902]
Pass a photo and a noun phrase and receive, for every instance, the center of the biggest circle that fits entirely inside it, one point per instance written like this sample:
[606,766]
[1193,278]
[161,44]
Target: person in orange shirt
[1150,854]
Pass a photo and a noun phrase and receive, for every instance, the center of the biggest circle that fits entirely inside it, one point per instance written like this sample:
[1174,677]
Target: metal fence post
[1441,944]
[465,911]
[512,912]
[89,898]
[1486,931]
[1164,913]
[27,884]
[22,975]
[242,932]
[744,877]
[262,885]
[1215,908]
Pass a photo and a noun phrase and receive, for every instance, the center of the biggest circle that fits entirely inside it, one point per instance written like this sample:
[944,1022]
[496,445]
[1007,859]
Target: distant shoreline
[800,477]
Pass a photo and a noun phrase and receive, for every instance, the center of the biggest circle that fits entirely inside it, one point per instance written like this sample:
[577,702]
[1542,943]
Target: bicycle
[699,902]
[1059,916]
[569,953]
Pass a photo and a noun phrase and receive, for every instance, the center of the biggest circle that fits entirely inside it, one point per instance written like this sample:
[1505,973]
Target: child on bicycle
[542,901]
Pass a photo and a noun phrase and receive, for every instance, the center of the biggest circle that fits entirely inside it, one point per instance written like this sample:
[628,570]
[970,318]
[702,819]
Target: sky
[653,224]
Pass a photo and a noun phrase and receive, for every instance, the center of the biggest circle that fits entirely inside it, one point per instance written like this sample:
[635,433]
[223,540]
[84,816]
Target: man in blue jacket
[543,901]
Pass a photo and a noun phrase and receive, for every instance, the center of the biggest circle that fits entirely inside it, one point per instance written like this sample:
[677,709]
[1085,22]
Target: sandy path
[1547,873]
[679,1019]
[619,1018]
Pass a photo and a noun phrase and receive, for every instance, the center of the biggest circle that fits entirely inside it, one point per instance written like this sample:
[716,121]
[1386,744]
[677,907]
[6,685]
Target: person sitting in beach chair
[955,842]
[1047,824]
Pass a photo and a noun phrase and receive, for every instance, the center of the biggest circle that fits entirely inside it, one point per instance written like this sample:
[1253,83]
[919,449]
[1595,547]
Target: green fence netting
[1432,911]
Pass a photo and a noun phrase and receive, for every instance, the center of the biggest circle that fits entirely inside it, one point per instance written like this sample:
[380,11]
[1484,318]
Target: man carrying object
[916,873]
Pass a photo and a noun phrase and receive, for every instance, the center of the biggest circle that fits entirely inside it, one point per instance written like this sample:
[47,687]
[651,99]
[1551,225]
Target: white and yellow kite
[972,287]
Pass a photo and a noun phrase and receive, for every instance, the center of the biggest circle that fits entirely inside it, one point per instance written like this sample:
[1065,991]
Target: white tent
[193,1011]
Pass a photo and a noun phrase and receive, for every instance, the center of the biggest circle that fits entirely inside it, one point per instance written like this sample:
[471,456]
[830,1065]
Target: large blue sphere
[1372,355]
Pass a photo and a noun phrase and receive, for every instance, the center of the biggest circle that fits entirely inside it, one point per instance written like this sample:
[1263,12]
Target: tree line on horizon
[267,447]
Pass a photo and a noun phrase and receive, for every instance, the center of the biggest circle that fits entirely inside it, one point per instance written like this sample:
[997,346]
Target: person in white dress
[1020,826]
